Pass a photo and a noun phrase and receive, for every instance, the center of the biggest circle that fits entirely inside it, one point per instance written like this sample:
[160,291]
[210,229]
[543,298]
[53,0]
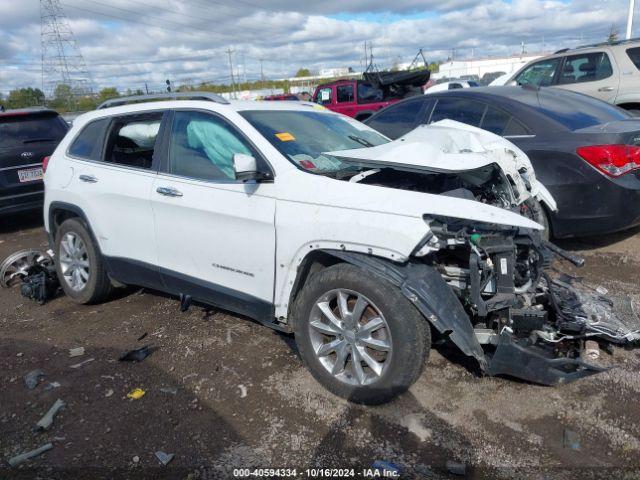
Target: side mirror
[246,167]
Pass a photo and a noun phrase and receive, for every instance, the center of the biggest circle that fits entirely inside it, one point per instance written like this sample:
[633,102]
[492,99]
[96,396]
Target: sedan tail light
[45,164]
[612,160]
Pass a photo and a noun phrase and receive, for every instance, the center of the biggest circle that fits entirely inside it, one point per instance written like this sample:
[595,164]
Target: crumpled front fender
[425,288]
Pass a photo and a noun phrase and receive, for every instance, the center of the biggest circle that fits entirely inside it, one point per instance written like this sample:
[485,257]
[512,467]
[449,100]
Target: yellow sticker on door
[285,137]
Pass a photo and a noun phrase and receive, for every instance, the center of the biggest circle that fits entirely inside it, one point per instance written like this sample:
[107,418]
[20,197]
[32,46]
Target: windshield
[303,137]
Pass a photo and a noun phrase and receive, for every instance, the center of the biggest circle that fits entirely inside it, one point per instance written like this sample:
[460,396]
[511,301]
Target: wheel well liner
[424,287]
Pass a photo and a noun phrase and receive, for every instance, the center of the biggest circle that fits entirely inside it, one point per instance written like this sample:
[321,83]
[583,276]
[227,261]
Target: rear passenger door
[215,234]
[594,74]
[114,163]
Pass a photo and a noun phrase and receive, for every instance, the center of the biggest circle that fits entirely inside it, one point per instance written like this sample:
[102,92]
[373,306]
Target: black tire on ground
[410,333]
[98,286]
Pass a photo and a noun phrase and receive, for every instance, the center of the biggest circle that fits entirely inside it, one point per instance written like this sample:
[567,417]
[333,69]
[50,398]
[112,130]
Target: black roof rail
[602,44]
[561,51]
[211,97]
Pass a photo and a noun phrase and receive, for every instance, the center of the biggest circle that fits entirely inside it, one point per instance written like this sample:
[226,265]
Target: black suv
[27,136]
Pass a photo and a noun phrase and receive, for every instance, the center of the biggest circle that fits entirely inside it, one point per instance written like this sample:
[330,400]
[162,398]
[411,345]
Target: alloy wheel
[74,261]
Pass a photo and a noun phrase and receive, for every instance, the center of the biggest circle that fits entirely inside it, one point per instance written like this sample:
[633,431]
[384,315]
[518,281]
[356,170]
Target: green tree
[107,93]
[24,97]
[303,72]
[434,67]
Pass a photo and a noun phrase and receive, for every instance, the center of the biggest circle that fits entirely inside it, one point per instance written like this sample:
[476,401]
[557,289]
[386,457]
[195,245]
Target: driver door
[215,235]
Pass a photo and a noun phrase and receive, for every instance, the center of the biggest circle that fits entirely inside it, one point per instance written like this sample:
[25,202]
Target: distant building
[477,67]
[334,72]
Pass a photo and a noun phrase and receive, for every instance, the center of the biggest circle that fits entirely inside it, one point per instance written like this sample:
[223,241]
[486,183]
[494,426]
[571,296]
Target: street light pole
[630,18]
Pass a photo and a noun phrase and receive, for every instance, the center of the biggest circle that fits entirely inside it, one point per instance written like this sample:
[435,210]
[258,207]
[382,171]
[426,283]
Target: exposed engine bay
[536,318]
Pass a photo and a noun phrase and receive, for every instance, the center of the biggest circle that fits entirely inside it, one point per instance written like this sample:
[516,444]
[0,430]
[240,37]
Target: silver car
[608,71]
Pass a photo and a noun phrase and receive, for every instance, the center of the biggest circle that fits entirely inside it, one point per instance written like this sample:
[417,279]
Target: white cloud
[129,42]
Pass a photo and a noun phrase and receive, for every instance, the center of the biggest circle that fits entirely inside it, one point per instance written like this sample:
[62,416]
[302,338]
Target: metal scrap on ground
[23,457]
[46,421]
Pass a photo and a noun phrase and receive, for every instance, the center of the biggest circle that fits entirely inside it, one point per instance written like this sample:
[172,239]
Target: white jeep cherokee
[279,211]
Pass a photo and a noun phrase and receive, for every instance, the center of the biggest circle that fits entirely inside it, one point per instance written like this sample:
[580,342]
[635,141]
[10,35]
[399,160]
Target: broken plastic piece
[51,386]
[23,457]
[78,365]
[46,421]
[164,458]
[32,378]
[591,349]
[136,355]
[136,394]
[76,352]
[570,439]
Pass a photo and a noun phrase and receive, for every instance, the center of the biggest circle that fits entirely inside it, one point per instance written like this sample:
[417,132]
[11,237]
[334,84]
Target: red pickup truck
[356,98]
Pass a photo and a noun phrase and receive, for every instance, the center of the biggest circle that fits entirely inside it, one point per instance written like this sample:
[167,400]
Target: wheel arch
[59,212]
[420,283]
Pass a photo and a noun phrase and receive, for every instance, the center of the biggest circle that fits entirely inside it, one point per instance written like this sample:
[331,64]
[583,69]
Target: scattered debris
[23,457]
[571,439]
[185,302]
[78,365]
[164,458]
[76,352]
[386,467]
[601,290]
[243,391]
[15,267]
[456,468]
[108,393]
[40,283]
[592,349]
[141,337]
[413,423]
[170,390]
[136,459]
[46,421]
[137,355]
[32,378]
[51,386]
[136,394]
[19,354]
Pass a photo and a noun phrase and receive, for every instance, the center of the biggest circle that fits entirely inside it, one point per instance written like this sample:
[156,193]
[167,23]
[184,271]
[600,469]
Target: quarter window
[202,147]
[88,144]
[132,140]
[634,55]
[344,93]
[540,74]
[495,121]
[460,110]
[588,67]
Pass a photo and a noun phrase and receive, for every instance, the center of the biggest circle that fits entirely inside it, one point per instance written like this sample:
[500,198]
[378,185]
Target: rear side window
[132,140]
[634,55]
[25,129]
[367,93]
[89,142]
[398,119]
[344,93]
[588,67]
[460,110]
[495,121]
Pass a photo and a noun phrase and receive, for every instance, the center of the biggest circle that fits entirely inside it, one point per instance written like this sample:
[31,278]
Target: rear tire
[388,336]
[79,265]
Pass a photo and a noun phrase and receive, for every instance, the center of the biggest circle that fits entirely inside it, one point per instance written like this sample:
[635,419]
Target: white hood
[455,147]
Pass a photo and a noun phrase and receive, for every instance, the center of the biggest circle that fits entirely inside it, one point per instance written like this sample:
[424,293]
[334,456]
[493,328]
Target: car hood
[450,146]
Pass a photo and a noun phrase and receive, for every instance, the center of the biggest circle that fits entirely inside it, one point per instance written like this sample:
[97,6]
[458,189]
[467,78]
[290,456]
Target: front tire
[79,265]
[358,335]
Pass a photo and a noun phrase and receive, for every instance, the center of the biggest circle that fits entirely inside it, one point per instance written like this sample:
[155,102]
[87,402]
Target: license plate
[30,175]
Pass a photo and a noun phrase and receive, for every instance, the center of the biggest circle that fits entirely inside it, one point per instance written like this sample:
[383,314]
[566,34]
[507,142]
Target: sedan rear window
[24,129]
[634,55]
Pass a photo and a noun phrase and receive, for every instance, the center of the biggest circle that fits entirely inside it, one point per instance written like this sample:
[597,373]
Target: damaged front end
[531,321]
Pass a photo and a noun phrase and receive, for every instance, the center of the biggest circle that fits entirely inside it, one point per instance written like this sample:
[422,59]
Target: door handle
[88,178]
[169,192]
[605,89]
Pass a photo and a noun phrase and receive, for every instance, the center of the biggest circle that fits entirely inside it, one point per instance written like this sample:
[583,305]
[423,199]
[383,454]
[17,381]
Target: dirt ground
[224,392]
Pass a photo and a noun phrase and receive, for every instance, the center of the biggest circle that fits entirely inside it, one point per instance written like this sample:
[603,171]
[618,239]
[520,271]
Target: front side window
[132,140]
[324,96]
[634,55]
[89,142]
[303,137]
[202,146]
[588,67]
[540,74]
[396,120]
[460,110]
[344,93]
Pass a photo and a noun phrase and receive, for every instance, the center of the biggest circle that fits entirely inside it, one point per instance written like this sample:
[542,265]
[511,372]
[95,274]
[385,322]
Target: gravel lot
[224,392]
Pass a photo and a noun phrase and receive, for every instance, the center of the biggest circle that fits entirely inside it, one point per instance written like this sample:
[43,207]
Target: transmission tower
[62,62]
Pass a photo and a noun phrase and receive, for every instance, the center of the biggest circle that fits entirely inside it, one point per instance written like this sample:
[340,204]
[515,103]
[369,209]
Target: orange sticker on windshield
[285,137]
